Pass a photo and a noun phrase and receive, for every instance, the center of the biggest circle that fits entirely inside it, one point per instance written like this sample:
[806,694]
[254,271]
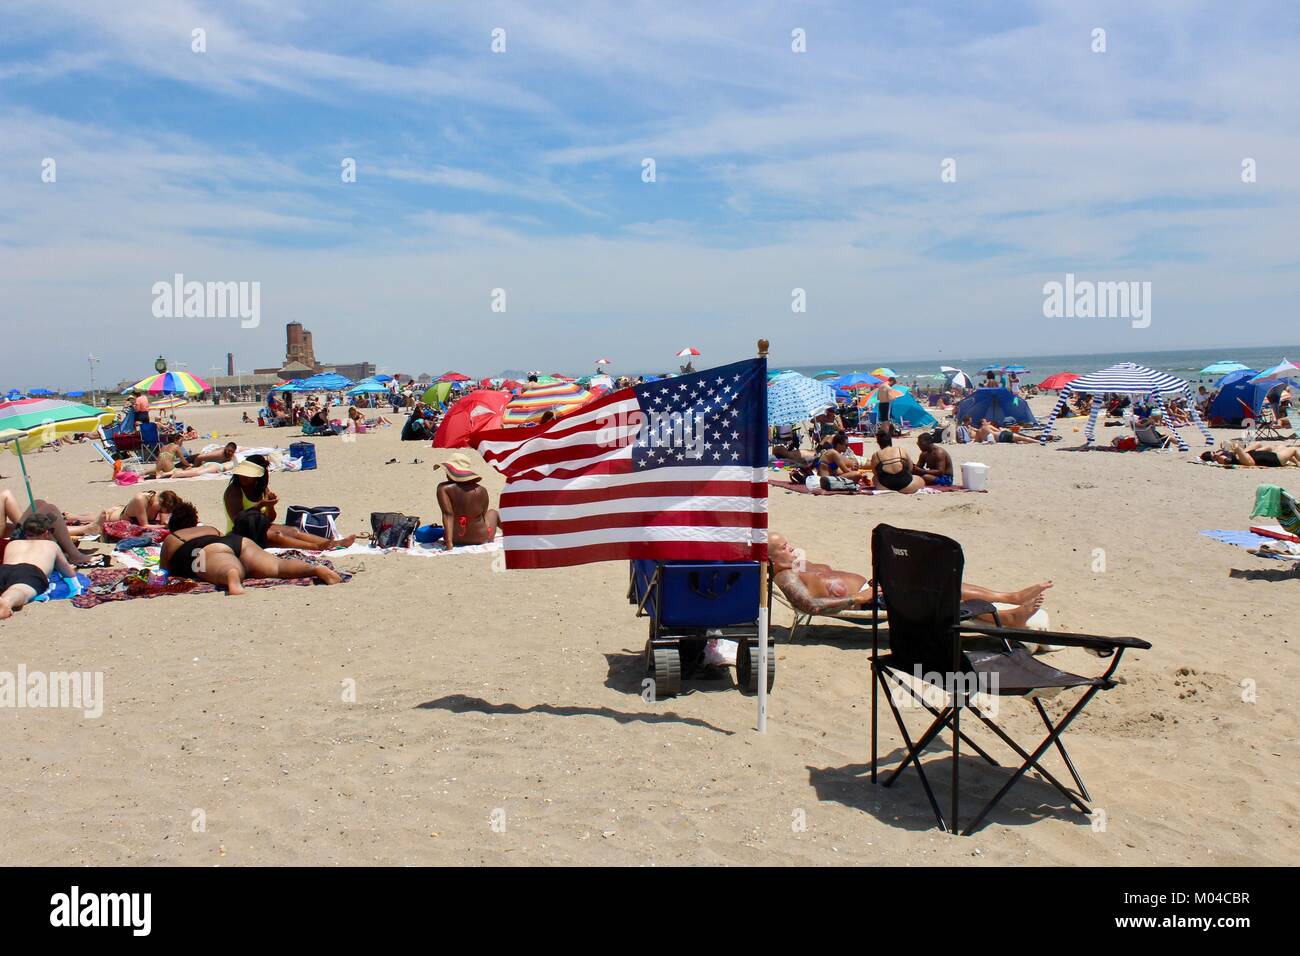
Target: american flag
[669,470]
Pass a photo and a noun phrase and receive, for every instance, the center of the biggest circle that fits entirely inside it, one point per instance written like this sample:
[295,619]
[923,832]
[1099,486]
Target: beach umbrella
[1284,369]
[960,380]
[453,377]
[77,394]
[170,402]
[600,381]
[884,372]
[532,403]
[171,383]
[826,373]
[476,412]
[854,380]
[1054,383]
[689,350]
[293,385]
[794,398]
[437,393]
[31,422]
[368,388]
[604,361]
[1222,367]
[325,382]
[13,395]
[41,393]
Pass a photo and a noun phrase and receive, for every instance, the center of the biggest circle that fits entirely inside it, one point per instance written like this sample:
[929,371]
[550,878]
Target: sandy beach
[498,716]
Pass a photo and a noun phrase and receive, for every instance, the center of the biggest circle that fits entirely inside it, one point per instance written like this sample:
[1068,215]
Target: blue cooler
[306,451]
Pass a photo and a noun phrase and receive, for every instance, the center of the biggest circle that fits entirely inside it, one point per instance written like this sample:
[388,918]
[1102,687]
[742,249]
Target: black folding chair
[919,575]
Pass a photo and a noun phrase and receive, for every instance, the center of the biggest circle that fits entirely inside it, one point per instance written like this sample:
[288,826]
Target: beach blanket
[125,530]
[804,490]
[1257,544]
[138,558]
[125,584]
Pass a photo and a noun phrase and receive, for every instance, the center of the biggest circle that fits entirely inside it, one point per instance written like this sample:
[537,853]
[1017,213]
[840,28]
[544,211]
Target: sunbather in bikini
[12,516]
[988,431]
[464,504]
[204,554]
[1255,455]
[144,508]
[837,461]
[820,589]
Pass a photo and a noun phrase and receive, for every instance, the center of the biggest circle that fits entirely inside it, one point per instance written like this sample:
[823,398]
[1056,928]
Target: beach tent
[1128,378]
[1054,383]
[794,398]
[903,408]
[437,393]
[476,412]
[1241,387]
[995,404]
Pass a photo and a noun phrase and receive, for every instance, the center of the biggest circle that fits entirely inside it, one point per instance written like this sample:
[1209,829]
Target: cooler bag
[305,452]
[320,521]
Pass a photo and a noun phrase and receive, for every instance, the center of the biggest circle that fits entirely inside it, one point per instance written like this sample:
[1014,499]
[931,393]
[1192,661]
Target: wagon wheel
[664,665]
[747,666]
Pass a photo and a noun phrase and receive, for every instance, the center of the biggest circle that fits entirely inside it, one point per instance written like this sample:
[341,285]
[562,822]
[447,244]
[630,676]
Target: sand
[498,719]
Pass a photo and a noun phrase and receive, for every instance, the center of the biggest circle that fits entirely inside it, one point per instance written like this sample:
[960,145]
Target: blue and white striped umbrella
[794,398]
[1128,378]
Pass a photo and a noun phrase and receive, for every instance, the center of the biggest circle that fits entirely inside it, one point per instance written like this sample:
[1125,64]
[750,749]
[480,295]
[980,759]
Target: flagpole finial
[762,348]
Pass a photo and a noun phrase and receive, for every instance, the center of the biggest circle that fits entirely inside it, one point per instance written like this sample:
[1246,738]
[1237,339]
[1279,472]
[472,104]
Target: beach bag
[837,483]
[305,452]
[392,529]
[320,521]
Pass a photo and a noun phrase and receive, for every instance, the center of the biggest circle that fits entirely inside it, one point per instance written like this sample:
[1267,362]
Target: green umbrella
[436,394]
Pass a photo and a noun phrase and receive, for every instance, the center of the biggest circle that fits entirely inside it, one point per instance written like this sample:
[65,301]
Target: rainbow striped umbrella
[32,422]
[171,383]
[532,403]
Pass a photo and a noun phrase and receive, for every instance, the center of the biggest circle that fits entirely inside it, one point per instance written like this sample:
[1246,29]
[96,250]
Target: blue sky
[521,170]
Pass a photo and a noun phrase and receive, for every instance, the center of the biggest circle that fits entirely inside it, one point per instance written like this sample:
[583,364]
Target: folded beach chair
[1263,424]
[920,577]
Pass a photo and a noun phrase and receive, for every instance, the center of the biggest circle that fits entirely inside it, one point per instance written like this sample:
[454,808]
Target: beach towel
[125,584]
[1257,544]
[123,530]
[414,550]
[61,588]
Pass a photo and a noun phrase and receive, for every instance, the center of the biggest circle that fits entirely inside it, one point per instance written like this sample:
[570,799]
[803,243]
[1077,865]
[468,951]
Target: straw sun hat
[459,468]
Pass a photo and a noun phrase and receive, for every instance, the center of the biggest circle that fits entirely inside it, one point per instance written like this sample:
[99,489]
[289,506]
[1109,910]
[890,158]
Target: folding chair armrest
[1030,636]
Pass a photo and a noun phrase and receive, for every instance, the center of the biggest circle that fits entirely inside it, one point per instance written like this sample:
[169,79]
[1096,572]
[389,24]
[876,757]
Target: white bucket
[975,476]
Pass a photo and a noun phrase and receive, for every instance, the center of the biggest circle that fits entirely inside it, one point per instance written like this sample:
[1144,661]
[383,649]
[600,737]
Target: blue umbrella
[326,382]
[1222,368]
[40,392]
[794,398]
[854,378]
[77,394]
[368,388]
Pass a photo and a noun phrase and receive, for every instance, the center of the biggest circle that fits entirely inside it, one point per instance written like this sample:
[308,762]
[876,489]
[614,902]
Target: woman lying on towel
[201,552]
[144,508]
[258,526]
[820,589]
[1255,455]
[170,465]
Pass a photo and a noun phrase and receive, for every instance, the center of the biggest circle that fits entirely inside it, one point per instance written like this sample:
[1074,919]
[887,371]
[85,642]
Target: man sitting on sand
[28,564]
[820,589]
[1257,454]
[464,503]
[934,464]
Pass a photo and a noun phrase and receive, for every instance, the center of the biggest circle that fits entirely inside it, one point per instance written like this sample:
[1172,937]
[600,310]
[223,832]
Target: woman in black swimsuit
[892,467]
[203,553]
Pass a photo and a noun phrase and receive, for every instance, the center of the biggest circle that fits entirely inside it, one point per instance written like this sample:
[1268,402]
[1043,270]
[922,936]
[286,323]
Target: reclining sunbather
[145,507]
[28,564]
[820,589]
[204,554]
[1257,455]
[988,432]
[12,516]
[258,526]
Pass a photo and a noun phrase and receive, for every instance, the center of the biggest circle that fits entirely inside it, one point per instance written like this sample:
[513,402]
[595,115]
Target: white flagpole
[762,608]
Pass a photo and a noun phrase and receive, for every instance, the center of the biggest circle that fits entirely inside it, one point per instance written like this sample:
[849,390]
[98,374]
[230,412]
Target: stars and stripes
[669,470]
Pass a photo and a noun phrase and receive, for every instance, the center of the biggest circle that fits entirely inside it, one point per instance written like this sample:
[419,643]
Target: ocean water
[1186,363]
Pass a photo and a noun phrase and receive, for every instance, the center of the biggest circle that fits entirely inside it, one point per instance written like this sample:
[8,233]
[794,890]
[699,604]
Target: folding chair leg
[1060,748]
[799,621]
[1032,761]
[911,754]
[1024,755]
[926,704]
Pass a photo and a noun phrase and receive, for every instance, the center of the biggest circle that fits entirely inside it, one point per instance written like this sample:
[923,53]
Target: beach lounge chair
[920,577]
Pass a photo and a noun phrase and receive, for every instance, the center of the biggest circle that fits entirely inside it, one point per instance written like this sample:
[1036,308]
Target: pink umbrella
[689,350]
